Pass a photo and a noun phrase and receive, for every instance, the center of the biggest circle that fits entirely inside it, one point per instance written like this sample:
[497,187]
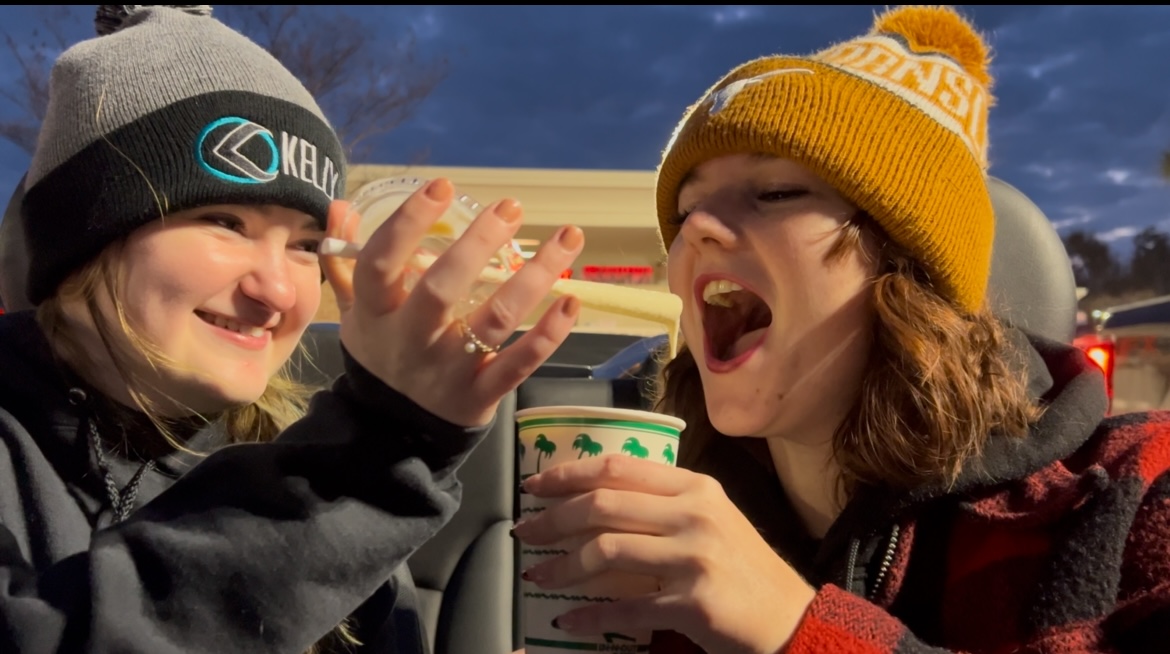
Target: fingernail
[570,237]
[521,489]
[440,190]
[569,308]
[512,531]
[556,622]
[529,575]
[509,210]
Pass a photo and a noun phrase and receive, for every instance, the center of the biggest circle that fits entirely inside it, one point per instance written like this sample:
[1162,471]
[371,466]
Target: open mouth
[230,325]
[734,318]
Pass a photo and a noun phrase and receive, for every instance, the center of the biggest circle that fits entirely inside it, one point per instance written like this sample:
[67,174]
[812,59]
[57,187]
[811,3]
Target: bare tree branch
[29,92]
[366,84]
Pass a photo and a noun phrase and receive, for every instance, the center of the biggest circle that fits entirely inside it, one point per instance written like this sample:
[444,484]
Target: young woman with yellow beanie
[873,462]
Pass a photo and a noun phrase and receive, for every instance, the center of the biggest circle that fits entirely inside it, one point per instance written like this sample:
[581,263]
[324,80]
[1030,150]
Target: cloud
[1038,70]
[1133,178]
[1044,171]
[1117,233]
[1118,176]
[426,25]
[731,15]
[1065,223]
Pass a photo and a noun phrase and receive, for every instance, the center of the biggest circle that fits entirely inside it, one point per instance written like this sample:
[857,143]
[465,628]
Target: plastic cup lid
[377,200]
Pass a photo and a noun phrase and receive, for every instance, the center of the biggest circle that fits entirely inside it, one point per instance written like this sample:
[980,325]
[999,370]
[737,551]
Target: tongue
[745,343]
[736,329]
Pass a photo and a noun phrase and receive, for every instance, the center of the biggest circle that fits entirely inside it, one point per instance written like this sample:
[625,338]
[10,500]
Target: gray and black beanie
[169,109]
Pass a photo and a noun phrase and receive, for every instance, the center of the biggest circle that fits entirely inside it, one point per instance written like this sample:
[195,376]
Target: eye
[227,221]
[780,195]
[680,217]
[309,245]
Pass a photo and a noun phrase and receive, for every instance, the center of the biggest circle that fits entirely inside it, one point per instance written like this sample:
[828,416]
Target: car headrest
[1032,285]
[13,255]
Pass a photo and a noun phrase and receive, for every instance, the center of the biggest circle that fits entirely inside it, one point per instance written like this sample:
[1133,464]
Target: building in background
[615,208]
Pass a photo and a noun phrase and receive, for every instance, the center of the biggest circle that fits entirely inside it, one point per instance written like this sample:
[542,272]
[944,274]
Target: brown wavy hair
[283,402]
[939,382]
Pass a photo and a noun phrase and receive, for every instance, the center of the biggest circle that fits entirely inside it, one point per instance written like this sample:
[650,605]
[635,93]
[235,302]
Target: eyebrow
[309,224]
[693,176]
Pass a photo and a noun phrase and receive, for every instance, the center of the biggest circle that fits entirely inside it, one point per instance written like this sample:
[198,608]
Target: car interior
[466,575]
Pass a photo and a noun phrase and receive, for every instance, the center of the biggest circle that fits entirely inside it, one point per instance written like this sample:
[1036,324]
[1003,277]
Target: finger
[342,223]
[637,554]
[450,278]
[384,257]
[515,363]
[499,317]
[654,611]
[613,471]
[602,510]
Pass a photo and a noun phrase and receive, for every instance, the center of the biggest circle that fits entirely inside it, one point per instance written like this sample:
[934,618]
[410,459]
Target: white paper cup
[553,435]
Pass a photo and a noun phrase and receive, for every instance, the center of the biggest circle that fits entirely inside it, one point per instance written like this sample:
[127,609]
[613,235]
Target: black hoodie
[255,548]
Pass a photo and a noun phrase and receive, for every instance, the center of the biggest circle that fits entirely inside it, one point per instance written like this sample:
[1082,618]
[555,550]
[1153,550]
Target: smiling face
[224,293]
[779,330]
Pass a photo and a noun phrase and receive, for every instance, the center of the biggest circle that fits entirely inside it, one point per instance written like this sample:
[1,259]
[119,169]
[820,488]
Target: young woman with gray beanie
[162,486]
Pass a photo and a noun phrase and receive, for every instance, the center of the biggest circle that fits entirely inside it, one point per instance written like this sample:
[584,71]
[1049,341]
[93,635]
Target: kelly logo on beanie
[240,151]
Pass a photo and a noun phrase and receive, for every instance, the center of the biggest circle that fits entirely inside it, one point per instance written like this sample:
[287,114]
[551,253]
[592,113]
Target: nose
[703,229]
[270,281]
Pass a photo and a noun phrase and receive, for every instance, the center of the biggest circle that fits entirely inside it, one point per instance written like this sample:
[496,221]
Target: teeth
[716,291]
[231,325]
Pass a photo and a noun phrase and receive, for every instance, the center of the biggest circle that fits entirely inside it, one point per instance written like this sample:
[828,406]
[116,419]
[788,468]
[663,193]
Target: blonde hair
[283,402]
[938,384]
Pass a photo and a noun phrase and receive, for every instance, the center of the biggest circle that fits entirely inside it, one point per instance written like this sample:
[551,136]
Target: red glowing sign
[619,274]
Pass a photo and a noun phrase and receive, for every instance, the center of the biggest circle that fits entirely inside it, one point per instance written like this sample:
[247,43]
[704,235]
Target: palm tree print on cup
[544,449]
[586,445]
[520,444]
[668,454]
[635,449]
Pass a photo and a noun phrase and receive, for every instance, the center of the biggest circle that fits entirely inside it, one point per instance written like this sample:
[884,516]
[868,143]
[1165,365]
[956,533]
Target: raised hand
[413,340]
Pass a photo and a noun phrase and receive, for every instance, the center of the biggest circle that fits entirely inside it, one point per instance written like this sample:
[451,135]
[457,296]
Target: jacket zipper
[887,563]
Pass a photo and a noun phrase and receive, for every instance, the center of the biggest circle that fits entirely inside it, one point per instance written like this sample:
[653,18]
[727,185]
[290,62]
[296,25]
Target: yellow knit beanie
[895,120]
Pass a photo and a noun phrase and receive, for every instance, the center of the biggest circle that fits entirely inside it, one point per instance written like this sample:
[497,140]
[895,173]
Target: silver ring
[474,344]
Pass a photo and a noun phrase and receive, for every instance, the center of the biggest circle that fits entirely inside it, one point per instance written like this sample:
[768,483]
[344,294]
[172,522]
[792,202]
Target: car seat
[1032,285]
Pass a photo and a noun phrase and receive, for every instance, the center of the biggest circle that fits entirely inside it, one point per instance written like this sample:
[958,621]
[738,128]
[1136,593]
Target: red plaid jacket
[1058,545]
